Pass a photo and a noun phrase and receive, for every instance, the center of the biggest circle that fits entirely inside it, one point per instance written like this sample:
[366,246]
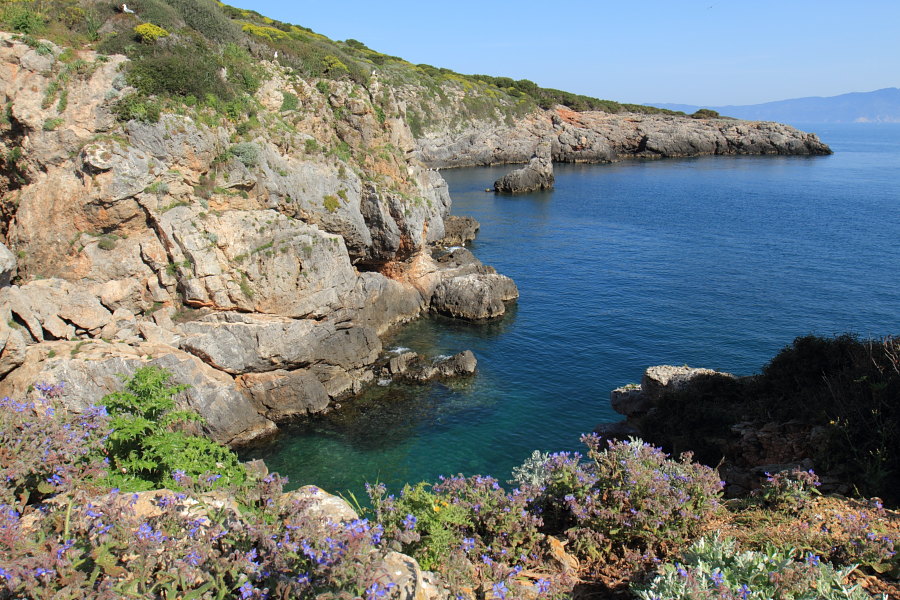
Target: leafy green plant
[714,569]
[136,107]
[149,447]
[23,19]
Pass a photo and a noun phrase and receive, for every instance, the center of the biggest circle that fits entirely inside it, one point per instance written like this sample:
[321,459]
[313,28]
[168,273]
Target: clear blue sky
[711,52]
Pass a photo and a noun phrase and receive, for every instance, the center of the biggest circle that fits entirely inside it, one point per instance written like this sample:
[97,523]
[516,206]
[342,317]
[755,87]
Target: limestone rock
[536,175]
[459,230]
[630,400]
[660,379]
[259,261]
[410,581]
[92,369]
[415,367]
[7,265]
[238,343]
[474,297]
[318,503]
[281,395]
[55,309]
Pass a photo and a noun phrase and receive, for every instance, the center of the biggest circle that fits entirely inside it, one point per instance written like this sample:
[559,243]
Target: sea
[715,262]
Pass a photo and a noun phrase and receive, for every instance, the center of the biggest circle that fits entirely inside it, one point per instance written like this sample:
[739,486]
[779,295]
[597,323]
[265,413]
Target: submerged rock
[415,367]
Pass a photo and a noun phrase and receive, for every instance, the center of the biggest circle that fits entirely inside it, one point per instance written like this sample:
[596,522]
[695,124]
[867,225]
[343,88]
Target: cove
[716,262]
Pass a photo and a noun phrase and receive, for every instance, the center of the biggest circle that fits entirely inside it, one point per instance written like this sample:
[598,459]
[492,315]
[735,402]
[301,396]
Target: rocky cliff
[259,250]
[259,266]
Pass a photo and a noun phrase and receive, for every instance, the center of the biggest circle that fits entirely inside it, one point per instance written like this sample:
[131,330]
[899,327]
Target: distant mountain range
[880,106]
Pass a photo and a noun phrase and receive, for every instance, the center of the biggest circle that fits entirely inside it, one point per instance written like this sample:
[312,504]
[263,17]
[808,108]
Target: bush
[207,17]
[149,33]
[476,535]
[45,451]
[247,153]
[789,490]
[180,70]
[713,569]
[627,496]
[136,107]
[149,448]
[24,20]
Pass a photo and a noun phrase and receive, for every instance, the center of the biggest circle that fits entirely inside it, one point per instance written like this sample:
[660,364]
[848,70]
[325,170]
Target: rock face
[257,267]
[459,230]
[537,175]
[598,137]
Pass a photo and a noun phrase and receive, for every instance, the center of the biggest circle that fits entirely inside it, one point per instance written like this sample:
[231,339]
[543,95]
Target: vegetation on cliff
[204,50]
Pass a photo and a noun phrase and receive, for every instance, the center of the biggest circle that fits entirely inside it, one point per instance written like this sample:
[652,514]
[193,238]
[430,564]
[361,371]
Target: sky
[701,52]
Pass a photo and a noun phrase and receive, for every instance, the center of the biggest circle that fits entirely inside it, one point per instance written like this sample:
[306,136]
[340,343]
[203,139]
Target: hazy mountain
[881,106]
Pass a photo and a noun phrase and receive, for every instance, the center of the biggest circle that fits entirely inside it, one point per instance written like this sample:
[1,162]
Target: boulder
[281,395]
[92,369]
[409,581]
[317,503]
[536,175]
[459,230]
[661,379]
[474,297]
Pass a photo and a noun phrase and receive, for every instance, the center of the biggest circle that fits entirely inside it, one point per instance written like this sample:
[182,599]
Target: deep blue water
[715,262]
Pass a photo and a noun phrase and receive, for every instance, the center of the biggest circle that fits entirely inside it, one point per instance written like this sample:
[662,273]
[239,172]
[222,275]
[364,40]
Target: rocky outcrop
[599,137]
[634,400]
[474,297]
[459,230]
[92,369]
[537,175]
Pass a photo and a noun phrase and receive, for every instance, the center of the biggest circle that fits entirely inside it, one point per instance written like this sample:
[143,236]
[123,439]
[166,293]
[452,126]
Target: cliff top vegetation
[178,48]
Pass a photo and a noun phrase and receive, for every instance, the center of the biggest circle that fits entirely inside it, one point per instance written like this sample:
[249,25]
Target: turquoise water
[714,262]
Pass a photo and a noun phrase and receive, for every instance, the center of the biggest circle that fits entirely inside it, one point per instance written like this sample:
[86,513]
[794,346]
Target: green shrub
[149,448]
[149,33]
[705,113]
[247,153]
[714,569]
[23,20]
[331,203]
[136,107]
[107,242]
[207,17]
[323,87]
[180,70]
[310,146]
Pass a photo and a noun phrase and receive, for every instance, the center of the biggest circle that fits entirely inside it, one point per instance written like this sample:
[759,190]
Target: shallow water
[716,262]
